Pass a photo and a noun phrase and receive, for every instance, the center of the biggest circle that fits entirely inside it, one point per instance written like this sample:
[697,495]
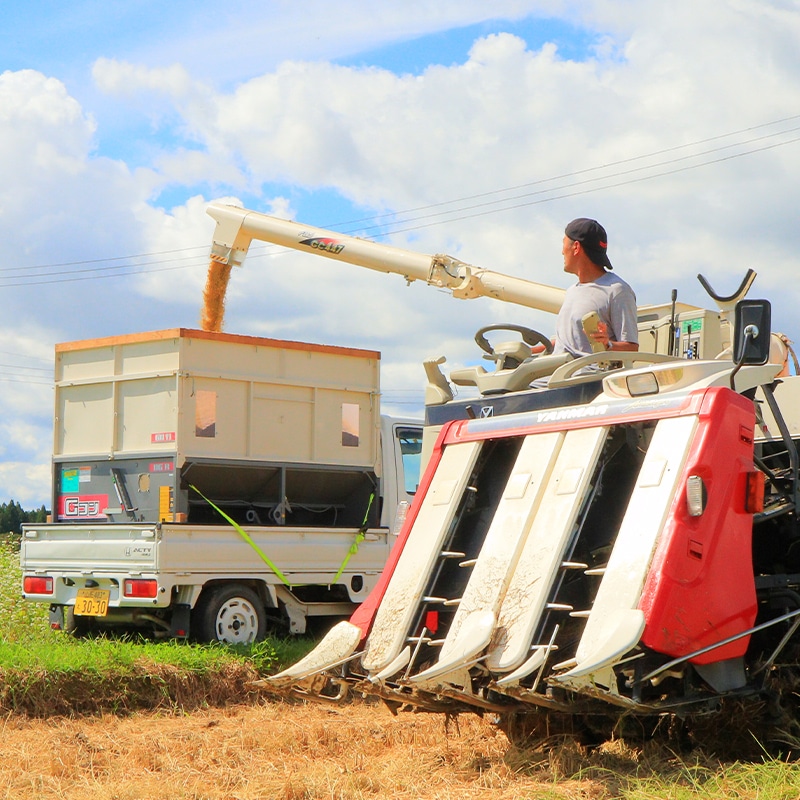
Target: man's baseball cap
[592,235]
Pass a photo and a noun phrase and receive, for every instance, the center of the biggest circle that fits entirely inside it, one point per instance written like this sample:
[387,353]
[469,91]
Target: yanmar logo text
[580,412]
[323,243]
[82,506]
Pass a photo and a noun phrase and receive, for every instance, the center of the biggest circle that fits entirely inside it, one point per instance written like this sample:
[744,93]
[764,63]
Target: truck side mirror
[751,332]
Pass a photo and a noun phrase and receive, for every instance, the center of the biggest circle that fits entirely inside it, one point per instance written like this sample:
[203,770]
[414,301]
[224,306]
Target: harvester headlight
[695,495]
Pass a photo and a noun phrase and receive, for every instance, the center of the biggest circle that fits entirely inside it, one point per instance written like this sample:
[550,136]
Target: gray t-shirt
[615,304]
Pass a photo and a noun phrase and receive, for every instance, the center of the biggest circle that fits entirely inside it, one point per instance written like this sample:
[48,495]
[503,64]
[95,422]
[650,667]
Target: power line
[564,187]
[23,379]
[89,269]
[102,260]
[457,215]
[22,366]
[567,194]
[20,355]
[584,171]
[403,223]
[73,279]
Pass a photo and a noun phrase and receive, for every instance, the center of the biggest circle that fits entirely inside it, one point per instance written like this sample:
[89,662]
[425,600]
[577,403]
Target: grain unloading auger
[624,542]
[238,227]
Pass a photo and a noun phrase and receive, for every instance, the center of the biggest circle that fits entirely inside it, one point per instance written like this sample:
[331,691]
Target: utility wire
[25,356]
[72,278]
[22,366]
[564,187]
[23,379]
[412,220]
[586,170]
[165,260]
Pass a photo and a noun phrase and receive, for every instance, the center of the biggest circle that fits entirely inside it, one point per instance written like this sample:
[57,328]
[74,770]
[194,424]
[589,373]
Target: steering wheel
[528,335]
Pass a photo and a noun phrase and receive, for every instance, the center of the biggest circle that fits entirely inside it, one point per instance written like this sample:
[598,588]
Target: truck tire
[232,614]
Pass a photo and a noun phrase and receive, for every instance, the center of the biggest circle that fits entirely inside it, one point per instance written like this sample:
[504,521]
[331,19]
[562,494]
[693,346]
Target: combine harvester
[623,542]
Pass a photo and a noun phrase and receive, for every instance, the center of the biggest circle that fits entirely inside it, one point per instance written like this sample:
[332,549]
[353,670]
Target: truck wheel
[232,614]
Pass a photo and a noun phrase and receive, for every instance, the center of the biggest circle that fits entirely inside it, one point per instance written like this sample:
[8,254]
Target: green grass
[771,780]
[34,660]
[20,622]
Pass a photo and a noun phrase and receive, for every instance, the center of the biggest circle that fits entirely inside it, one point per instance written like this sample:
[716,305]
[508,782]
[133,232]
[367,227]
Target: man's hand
[601,335]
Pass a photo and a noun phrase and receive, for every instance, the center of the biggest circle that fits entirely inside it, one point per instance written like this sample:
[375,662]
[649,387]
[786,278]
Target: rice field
[131,719]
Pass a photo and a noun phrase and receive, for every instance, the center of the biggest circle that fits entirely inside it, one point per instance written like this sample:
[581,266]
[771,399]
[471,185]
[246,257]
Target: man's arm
[601,335]
[624,320]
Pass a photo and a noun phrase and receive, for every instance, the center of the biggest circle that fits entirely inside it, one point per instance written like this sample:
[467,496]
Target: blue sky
[440,126]
[66,40]
[452,46]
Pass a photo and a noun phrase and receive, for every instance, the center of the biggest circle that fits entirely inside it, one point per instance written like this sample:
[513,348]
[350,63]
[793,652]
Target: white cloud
[118,77]
[44,136]
[26,482]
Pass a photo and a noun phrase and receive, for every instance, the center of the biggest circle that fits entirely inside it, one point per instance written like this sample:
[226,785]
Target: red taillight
[35,584]
[139,587]
[754,492]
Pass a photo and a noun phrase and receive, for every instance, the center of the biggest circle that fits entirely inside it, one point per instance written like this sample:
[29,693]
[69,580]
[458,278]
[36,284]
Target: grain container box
[162,426]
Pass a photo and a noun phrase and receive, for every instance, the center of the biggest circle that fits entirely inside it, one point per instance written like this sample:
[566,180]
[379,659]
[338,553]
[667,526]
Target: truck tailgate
[301,554]
[101,548]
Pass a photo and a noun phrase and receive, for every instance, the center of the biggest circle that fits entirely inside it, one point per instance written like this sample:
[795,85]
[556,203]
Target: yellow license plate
[91,603]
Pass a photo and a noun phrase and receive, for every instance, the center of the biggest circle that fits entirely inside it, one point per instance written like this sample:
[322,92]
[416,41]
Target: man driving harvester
[597,290]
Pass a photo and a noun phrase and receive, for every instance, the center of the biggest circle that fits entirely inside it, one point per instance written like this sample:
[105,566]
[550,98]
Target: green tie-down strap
[362,531]
[246,536]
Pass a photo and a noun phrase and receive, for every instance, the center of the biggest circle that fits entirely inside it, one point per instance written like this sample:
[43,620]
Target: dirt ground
[289,752]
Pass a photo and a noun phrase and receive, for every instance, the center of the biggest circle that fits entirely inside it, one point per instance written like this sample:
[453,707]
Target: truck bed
[182,558]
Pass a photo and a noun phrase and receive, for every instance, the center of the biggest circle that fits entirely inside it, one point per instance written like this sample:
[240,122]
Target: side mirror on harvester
[751,332]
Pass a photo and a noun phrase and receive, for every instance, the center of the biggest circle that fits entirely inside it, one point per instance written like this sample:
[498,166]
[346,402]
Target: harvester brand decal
[82,506]
[163,437]
[576,412]
[324,243]
[487,411]
[161,466]
[616,408]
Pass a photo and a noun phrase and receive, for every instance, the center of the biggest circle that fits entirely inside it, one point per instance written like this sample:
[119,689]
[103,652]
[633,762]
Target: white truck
[211,484]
